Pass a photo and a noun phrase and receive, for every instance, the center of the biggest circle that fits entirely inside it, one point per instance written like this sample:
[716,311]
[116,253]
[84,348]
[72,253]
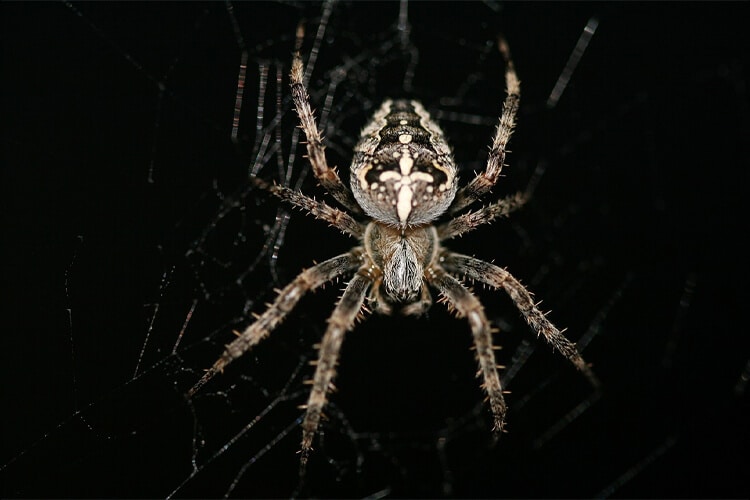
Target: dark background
[635,234]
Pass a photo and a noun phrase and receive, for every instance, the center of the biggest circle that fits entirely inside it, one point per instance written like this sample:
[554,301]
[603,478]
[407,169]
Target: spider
[403,178]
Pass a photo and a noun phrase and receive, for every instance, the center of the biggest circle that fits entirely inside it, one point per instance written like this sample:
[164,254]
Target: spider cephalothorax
[403,178]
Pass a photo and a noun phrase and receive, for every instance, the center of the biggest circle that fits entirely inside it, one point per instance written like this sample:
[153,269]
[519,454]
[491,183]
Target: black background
[642,205]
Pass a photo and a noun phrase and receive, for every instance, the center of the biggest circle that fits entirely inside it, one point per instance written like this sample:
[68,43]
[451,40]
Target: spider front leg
[327,176]
[496,277]
[341,321]
[309,279]
[468,306]
[484,181]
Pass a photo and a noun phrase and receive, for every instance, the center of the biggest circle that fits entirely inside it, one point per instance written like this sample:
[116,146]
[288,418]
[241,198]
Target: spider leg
[496,277]
[484,181]
[341,321]
[335,217]
[327,176]
[307,280]
[471,220]
[468,306]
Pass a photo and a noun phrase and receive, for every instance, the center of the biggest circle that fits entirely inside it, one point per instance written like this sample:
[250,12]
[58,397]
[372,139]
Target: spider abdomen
[402,172]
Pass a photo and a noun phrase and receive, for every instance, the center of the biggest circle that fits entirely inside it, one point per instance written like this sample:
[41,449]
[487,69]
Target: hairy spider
[403,177]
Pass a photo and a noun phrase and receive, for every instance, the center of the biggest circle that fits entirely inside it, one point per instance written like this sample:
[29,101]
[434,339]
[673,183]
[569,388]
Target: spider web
[162,248]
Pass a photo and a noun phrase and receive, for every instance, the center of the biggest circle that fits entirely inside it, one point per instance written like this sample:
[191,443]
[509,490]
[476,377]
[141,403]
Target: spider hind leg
[327,176]
[484,181]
